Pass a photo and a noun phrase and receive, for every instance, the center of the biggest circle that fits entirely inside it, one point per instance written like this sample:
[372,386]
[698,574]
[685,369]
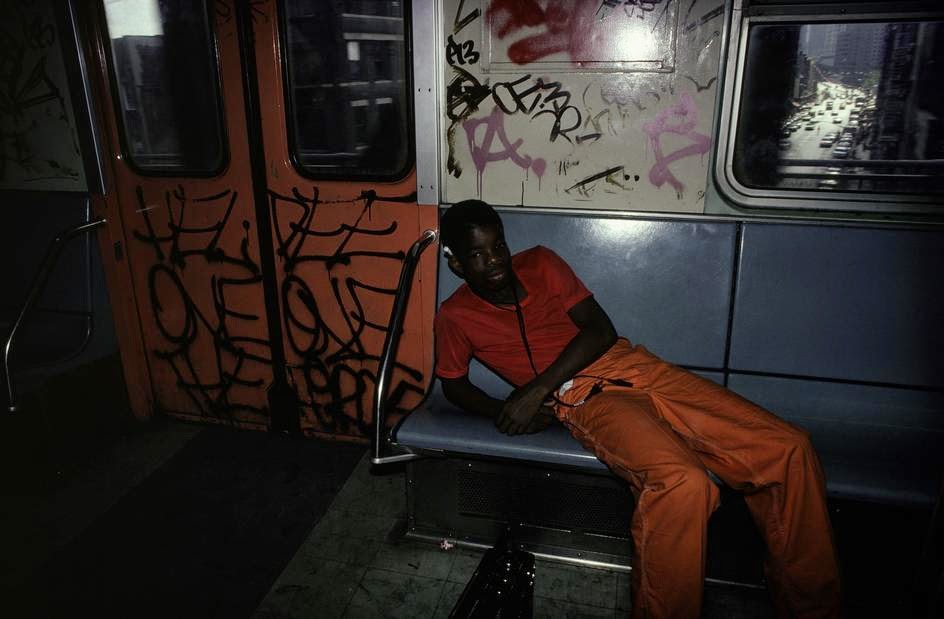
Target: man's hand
[542,421]
[520,409]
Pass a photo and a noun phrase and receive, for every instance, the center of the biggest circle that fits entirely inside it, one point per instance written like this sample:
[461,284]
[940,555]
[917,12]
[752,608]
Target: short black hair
[461,217]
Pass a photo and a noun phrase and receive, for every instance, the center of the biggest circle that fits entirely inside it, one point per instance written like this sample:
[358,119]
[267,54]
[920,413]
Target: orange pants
[661,435]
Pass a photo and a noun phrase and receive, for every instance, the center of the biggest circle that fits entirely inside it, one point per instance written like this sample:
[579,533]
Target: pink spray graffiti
[686,114]
[482,151]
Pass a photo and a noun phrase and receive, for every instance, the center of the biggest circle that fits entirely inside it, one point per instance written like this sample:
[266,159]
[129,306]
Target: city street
[827,117]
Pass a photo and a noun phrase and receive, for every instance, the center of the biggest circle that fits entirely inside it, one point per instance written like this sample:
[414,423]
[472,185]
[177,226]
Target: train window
[164,68]
[848,109]
[347,88]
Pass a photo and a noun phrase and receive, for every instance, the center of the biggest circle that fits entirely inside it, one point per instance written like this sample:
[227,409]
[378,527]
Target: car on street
[840,152]
[827,183]
[826,141]
[810,127]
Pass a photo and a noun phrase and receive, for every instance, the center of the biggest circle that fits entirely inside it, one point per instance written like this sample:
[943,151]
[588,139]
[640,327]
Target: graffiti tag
[461,53]
[195,287]
[481,148]
[334,372]
[678,119]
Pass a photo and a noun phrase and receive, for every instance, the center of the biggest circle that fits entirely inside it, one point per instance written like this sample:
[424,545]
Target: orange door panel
[190,243]
[339,245]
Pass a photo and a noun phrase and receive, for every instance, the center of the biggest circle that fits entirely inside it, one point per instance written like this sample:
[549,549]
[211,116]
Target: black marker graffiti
[698,86]
[564,165]
[537,98]
[334,371]
[461,53]
[590,137]
[463,96]
[192,286]
[583,186]
[460,23]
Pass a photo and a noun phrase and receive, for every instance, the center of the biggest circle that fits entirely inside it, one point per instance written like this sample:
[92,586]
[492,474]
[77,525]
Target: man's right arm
[463,394]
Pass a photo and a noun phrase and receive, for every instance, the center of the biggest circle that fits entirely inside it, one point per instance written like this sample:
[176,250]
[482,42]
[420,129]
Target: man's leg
[674,498]
[775,465]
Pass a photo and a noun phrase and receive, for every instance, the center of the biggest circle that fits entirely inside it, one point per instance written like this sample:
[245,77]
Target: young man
[533,321]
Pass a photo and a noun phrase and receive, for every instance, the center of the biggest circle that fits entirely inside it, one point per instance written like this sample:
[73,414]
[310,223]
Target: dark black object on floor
[502,585]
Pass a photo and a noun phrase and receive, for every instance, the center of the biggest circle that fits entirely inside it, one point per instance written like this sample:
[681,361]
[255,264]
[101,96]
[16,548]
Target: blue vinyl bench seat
[441,427]
[870,397]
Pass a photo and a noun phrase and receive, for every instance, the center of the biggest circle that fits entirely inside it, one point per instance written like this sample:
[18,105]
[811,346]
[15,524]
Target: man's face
[484,261]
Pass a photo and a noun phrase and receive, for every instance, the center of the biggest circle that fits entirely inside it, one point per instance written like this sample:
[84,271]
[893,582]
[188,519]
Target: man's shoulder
[539,258]
[460,299]
[532,255]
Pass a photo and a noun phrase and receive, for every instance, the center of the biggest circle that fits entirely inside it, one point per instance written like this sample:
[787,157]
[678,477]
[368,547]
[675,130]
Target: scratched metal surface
[588,104]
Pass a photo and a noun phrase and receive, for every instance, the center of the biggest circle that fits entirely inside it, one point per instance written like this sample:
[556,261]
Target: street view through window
[843,107]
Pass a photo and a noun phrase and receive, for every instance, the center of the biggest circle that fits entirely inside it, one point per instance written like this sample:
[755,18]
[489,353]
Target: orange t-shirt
[468,326]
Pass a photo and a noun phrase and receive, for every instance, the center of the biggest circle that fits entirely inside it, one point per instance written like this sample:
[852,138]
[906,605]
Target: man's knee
[797,451]
[691,488]
[796,441]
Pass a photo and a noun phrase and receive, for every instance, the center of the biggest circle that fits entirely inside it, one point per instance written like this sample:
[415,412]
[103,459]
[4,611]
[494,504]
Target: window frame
[345,172]
[814,199]
[127,155]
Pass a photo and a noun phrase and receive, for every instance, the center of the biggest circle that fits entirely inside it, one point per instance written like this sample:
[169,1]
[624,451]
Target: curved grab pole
[391,341]
[39,282]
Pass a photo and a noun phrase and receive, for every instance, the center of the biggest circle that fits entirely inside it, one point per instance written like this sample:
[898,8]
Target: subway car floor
[102,515]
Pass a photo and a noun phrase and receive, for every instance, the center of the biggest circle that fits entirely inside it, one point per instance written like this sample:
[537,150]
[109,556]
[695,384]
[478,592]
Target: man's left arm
[595,336]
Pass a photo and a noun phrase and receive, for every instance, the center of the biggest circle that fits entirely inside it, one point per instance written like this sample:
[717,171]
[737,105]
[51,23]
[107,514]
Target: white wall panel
[603,104]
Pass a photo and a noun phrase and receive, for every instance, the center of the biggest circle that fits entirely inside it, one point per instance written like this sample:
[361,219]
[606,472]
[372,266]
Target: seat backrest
[665,284]
[839,330]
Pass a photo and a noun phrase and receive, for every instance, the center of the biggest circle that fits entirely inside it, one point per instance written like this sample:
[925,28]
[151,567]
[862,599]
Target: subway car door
[183,231]
[337,118]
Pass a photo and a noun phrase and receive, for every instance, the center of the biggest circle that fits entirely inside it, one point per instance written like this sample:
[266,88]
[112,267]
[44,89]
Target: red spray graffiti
[681,119]
[559,18]
[576,27]
[482,151]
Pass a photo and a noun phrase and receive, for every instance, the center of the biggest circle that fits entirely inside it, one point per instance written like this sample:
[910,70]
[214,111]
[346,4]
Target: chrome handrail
[391,341]
[39,282]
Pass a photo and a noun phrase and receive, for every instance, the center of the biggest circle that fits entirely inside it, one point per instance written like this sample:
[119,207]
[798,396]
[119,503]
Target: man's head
[473,239]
